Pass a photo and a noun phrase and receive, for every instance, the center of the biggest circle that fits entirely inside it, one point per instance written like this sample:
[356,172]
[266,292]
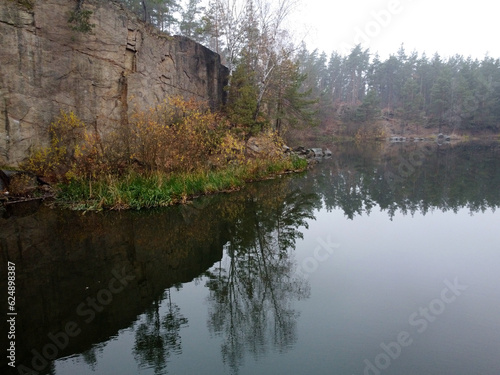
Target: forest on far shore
[456,94]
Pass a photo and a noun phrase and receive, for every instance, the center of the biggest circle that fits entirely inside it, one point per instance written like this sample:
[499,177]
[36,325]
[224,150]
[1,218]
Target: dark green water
[383,259]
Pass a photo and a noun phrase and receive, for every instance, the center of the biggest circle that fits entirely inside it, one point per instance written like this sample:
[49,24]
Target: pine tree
[242,99]
[160,13]
[190,24]
[293,105]
[369,110]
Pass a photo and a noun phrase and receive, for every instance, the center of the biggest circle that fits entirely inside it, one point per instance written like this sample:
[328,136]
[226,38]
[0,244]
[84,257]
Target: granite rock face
[46,67]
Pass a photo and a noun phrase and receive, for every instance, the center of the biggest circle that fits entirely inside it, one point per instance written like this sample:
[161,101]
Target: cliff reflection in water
[65,259]
[239,245]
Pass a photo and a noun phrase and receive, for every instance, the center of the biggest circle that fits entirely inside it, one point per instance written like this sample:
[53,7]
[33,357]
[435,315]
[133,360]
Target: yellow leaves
[65,128]
[74,151]
[178,135]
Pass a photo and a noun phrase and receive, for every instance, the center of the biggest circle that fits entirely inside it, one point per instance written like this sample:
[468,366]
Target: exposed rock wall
[46,67]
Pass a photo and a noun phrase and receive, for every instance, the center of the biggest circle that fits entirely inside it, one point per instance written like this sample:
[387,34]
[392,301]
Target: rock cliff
[46,67]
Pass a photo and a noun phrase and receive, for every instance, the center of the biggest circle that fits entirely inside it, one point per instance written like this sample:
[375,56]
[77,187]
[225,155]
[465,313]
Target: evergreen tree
[294,106]
[357,67]
[440,99]
[369,110]
[242,99]
[160,13]
[190,24]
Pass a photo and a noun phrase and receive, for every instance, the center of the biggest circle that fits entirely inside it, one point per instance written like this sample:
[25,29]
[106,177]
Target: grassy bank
[157,189]
[162,156]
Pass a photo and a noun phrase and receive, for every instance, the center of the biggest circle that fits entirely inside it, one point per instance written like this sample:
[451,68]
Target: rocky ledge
[310,153]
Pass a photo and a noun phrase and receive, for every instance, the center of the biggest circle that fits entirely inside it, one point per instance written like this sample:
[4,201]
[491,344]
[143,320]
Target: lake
[383,259]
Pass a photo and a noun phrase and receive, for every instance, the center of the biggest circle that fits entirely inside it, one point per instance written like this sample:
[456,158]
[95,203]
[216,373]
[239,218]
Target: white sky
[443,26]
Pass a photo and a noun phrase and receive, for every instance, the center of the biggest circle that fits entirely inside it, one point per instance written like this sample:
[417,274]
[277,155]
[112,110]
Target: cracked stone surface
[45,67]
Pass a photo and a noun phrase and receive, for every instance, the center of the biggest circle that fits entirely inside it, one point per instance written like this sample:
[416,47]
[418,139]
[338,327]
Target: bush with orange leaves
[176,136]
[182,135]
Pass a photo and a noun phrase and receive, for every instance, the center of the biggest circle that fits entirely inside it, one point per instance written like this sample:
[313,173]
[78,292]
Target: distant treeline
[457,92]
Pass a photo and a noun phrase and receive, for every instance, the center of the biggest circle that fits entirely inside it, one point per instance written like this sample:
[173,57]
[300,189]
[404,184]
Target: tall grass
[157,189]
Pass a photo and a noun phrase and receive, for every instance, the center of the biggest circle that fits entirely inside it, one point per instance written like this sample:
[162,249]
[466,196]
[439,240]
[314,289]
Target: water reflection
[240,245]
[65,262]
[157,337]
[253,289]
[409,178]
[75,256]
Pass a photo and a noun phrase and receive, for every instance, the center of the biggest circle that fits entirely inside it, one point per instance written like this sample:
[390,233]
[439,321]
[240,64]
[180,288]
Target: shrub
[74,151]
[80,20]
[22,184]
[181,135]
[53,160]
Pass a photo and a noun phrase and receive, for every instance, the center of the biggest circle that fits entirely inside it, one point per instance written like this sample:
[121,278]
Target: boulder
[18,183]
[301,150]
[253,145]
[318,152]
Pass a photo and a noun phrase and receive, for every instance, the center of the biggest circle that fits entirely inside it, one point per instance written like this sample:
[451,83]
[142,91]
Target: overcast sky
[443,26]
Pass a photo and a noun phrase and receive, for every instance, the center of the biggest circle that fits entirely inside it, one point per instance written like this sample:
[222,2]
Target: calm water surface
[383,259]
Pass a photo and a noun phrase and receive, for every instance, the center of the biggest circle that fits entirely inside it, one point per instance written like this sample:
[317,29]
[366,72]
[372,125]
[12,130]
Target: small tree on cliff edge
[191,24]
[80,19]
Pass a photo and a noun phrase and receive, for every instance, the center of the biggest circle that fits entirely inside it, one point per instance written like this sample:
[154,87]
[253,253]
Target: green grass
[137,191]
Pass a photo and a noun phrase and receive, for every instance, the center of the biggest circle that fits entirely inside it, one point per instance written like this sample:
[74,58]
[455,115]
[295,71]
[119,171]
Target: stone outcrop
[46,67]
[301,151]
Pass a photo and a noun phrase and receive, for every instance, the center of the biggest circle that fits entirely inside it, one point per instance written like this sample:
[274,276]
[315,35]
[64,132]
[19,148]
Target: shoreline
[142,191]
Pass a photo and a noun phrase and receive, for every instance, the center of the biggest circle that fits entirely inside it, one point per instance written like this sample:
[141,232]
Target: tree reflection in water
[253,288]
[90,356]
[446,177]
[158,337]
